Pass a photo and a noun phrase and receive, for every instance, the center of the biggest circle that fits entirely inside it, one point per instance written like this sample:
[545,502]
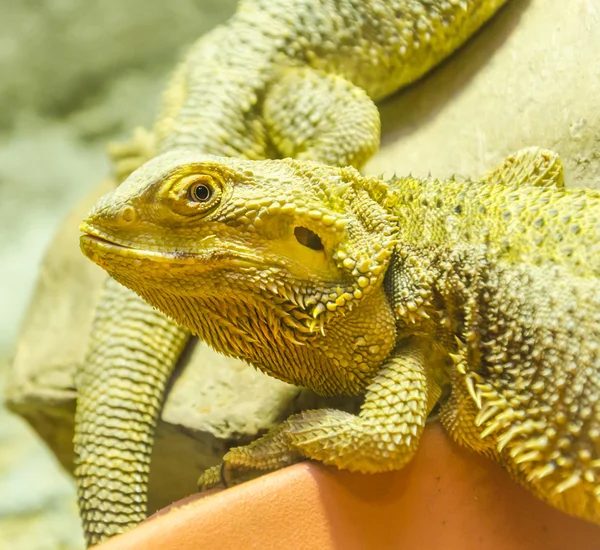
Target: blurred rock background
[74,74]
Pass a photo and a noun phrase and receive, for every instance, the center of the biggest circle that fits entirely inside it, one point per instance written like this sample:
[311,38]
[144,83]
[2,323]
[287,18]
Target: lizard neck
[341,357]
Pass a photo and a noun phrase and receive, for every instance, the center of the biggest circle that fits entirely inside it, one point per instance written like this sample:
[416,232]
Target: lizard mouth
[95,244]
[98,248]
[100,242]
[98,238]
[92,245]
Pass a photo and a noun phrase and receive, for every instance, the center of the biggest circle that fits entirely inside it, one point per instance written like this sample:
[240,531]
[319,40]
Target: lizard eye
[194,194]
[200,192]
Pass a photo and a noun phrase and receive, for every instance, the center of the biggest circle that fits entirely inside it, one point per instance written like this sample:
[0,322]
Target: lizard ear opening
[308,238]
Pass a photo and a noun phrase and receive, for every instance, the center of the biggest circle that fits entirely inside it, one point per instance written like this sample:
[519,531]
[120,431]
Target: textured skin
[401,290]
[274,81]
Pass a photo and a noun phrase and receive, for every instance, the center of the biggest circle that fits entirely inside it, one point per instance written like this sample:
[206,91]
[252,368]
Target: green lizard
[397,289]
[279,79]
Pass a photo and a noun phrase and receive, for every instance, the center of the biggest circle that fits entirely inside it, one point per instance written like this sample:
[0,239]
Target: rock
[530,77]
[37,509]
[57,55]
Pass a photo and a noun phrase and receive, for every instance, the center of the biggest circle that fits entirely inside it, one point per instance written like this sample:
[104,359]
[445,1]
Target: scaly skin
[279,79]
[348,284]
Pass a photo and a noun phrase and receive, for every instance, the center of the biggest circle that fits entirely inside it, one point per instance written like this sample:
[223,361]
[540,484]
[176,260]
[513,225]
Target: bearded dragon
[481,295]
[278,79]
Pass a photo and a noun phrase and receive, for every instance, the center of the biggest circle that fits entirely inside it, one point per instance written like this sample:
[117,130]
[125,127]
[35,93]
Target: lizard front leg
[529,166]
[383,436]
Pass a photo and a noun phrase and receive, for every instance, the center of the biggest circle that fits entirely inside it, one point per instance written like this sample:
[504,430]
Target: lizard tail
[130,358]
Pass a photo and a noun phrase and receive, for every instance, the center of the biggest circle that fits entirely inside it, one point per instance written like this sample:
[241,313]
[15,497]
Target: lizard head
[233,248]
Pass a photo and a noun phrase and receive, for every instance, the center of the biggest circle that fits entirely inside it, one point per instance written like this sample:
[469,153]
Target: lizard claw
[216,477]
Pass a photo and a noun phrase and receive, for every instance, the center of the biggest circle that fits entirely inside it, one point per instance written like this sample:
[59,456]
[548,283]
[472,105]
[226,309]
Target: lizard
[481,295]
[296,80]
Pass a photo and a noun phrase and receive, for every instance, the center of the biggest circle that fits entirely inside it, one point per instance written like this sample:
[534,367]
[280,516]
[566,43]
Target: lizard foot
[128,156]
[270,452]
[214,477]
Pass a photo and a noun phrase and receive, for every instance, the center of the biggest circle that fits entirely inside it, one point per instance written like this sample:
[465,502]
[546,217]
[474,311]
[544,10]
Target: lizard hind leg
[312,115]
[382,437]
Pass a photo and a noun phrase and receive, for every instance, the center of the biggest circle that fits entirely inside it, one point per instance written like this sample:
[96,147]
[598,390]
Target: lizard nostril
[127,215]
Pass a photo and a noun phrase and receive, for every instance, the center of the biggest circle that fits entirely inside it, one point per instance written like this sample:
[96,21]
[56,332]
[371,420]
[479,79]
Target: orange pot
[446,498]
